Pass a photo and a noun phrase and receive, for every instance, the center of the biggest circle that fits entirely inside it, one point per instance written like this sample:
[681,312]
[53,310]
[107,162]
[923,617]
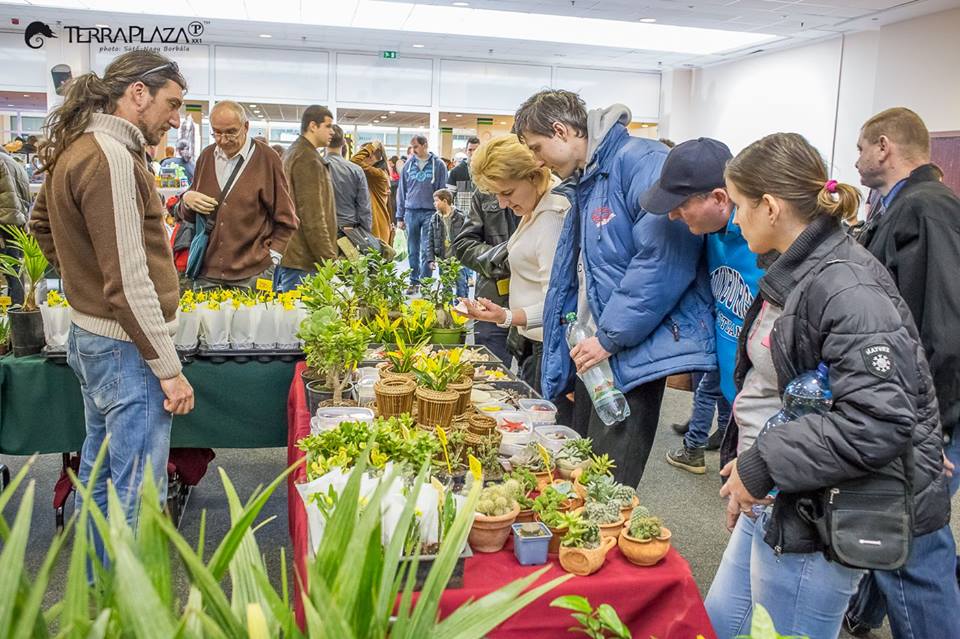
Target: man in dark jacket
[914,231]
[486,227]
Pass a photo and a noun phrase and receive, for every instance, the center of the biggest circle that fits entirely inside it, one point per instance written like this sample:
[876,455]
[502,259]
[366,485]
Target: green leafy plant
[645,528]
[438,370]
[30,268]
[4,328]
[600,465]
[527,483]
[581,532]
[575,451]
[387,284]
[604,489]
[404,357]
[333,347]
[440,292]
[600,513]
[547,505]
[602,623]
[496,500]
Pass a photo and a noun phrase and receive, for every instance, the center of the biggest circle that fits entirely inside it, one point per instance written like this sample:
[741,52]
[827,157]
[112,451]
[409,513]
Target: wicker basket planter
[464,388]
[385,369]
[394,396]
[482,425]
[435,408]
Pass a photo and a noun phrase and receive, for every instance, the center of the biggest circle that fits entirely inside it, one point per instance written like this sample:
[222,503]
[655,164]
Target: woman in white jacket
[506,168]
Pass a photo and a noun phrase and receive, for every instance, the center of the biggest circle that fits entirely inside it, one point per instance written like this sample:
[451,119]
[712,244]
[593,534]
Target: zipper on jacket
[833,493]
[675,328]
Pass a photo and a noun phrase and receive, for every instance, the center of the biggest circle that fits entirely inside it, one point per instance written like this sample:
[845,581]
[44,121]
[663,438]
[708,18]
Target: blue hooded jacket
[417,186]
[647,285]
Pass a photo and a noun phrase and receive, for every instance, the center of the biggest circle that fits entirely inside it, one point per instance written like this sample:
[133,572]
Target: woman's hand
[484,310]
[740,499]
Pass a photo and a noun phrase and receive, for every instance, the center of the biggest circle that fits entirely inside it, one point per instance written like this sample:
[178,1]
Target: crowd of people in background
[748,270]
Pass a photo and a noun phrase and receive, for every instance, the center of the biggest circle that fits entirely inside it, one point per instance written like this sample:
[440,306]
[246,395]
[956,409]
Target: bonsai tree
[441,292]
[387,283]
[30,268]
[334,347]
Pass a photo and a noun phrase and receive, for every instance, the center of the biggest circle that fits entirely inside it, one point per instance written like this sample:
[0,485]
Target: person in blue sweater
[638,279]
[422,175]
[691,190]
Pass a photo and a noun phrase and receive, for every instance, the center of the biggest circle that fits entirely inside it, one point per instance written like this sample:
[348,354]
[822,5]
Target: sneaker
[854,627]
[413,289]
[689,459]
[681,429]
[715,439]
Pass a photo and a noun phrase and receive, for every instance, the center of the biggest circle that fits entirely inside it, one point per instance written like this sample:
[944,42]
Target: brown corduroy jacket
[308,179]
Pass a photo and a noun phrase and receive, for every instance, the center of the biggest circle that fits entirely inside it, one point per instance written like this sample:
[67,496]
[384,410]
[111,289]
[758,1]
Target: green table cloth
[238,405]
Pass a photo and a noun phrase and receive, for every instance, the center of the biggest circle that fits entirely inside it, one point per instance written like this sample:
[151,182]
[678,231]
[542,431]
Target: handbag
[864,523]
[201,233]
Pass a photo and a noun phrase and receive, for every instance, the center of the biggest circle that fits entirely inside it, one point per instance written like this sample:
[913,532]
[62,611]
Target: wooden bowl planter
[385,370]
[394,396]
[608,530]
[644,552]
[482,425]
[435,408]
[626,512]
[489,534]
[463,387]
[586,561]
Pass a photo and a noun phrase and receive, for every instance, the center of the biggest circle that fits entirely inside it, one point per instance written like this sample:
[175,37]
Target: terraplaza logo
[132,36]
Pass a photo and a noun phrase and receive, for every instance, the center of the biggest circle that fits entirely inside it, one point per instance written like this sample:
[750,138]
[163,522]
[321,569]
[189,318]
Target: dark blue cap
[694,166]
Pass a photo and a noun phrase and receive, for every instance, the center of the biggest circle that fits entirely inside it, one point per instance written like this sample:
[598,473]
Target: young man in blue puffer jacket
[639,279]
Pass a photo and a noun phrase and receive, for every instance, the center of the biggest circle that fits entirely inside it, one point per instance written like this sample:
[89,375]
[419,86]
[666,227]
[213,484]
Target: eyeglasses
[226,137]
[167,65]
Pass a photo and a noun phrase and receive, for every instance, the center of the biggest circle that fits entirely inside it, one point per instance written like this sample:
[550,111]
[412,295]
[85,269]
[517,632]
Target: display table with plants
[661,600]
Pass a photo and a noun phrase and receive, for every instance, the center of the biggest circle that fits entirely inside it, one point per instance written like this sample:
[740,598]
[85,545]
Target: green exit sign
[390,55]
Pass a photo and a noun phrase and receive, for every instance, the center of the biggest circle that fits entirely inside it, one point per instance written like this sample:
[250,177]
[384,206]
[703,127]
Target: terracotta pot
[489,534]
[394,396]
[526,516]
[558,534]
[607,530]
[573,502]
[463,387]
[586,561]
[644,553]
[626,512]
[435,408]
[577,486]
[566,469]
[543,480]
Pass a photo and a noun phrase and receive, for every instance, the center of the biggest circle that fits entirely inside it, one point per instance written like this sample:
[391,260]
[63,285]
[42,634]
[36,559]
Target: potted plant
[582,549]
[464,384]
[565,488]
[496,512]
[528,484]
[440,293]
[644,540]
[531,541]
[538,460]
[551,508]
[4,331]
[606,516]
[400,362]
[599,466]
[574,454]
[333,348]
[605,490]
[435,401]
[26,323]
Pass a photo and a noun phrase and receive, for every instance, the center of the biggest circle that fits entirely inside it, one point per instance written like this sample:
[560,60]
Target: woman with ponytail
[825,300]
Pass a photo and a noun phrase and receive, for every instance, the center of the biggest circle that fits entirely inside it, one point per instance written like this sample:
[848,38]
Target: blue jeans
[286,279]
[707,399]
[121,398]
[418,226]
[804,593]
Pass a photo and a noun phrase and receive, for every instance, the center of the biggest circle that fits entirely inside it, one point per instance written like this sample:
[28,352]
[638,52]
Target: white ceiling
[232,21]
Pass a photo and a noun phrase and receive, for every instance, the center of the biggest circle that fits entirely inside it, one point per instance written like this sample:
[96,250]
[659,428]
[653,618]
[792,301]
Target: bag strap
[211,219]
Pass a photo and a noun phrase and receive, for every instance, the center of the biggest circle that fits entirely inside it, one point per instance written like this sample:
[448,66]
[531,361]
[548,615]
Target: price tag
[503,286]
[264,285]
[5,300]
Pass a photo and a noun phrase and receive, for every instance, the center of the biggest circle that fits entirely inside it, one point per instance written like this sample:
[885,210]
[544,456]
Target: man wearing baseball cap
[691,188]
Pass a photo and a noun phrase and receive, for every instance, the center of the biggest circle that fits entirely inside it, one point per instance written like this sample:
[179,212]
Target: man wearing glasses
[240,193]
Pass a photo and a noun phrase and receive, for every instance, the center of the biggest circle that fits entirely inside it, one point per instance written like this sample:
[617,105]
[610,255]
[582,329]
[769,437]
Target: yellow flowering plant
[56,300]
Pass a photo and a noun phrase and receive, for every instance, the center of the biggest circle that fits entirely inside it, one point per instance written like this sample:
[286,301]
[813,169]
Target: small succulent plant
[601,514]
[581,533]
[624,495]
[645,528]
[496,500]
[575,451]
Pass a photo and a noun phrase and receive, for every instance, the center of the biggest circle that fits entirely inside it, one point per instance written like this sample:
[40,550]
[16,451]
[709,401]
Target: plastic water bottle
[609,402]
[807,394]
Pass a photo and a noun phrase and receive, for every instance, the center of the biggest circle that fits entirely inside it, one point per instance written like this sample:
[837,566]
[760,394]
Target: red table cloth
[662,601]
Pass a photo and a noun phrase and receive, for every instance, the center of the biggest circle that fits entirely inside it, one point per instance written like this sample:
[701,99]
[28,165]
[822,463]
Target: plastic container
[531,551]
[516,431]
[554,436]
[539,411]
[494,408]
[330,418]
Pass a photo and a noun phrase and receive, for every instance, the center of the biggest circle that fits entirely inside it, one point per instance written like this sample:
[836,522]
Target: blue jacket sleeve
[401,194]
[662,268]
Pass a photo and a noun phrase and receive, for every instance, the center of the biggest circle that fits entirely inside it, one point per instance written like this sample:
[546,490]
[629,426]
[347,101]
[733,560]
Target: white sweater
[530,252]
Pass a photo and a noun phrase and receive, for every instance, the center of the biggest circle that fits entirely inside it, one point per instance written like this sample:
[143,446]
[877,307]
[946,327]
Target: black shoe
[681,429]
[413,289]
[715,439]
[854,627]
[689,459]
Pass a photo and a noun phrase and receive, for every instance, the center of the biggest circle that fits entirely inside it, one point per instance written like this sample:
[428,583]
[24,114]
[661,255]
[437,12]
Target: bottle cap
[571,318]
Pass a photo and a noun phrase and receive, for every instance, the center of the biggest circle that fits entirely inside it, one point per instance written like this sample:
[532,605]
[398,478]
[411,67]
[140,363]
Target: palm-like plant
[32,266]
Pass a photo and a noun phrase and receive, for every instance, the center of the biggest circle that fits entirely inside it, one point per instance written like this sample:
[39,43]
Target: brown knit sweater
[256,216]
[99,220]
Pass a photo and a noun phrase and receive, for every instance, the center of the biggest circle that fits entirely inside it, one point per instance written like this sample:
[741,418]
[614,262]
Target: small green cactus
[645,528]
[582,534]
[496,500]
[639,513]
[624,495]
[601,513]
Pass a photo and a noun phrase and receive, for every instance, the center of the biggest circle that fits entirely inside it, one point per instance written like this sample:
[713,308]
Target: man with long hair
[100,222]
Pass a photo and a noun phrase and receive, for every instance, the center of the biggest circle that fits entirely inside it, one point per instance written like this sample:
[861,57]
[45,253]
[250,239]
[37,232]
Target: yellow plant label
[476,468]
[503,286]
[264,285]
[5,300]
[442,435]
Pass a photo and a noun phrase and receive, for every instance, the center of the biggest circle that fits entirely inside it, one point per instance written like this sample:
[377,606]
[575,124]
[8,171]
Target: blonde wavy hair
[506,158]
